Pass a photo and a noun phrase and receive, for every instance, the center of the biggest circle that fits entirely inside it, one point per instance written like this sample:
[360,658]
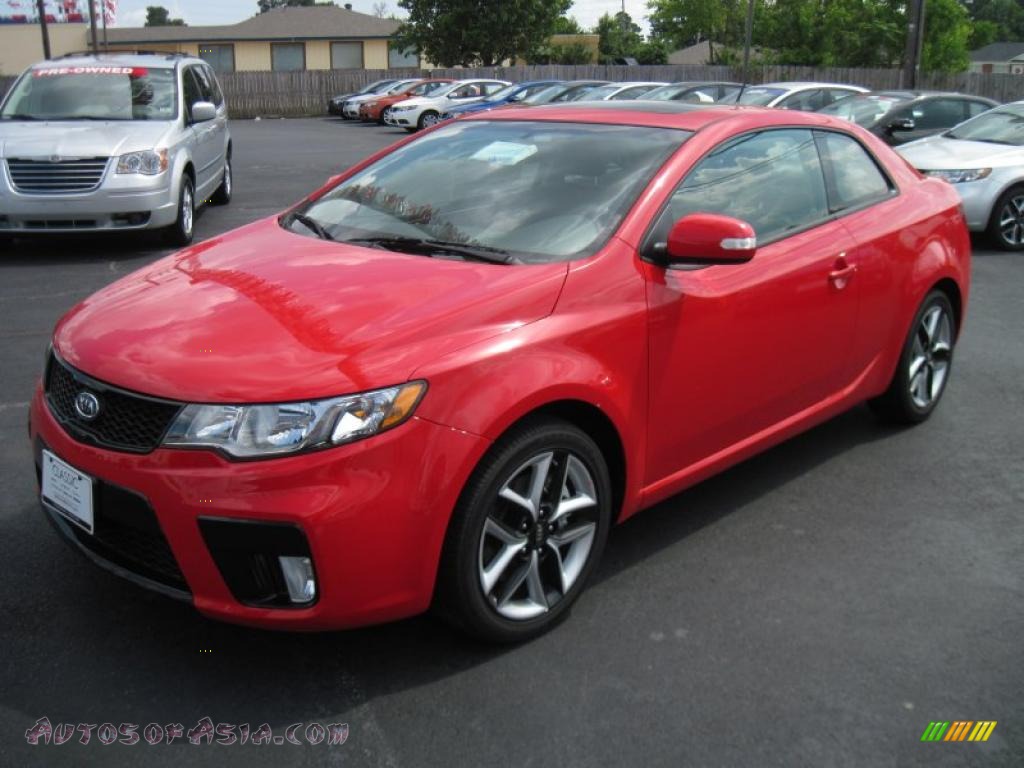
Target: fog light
[298,578]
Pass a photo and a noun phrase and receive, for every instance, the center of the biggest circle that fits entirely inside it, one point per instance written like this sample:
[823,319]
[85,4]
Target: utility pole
[915,43]
[106,46]
[41,5]
[92,26]
[748,33]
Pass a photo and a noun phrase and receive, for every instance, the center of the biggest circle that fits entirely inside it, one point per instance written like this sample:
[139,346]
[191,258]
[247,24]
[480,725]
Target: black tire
[421,123]
[383,115]
[227,185]
[460,597]
[897,404]
[181,232]
[1011,198]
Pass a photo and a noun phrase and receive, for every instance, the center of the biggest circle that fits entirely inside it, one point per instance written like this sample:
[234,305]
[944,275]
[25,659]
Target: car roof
[914,95]
[168,60]
[662,114]
[801,84]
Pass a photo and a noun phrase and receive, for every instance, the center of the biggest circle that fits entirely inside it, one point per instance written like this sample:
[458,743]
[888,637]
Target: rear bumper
[374,514]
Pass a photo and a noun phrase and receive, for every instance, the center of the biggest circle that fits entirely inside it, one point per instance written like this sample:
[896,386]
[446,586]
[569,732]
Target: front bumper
[351,111]
[402,119]
[374,514]
[122,202]
[978,198]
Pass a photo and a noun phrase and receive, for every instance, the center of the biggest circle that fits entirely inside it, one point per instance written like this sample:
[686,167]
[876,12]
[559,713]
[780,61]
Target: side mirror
[202,111]
[709,238]
[903,124]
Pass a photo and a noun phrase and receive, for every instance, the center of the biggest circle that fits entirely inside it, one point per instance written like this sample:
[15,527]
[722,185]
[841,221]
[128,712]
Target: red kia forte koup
[443,377]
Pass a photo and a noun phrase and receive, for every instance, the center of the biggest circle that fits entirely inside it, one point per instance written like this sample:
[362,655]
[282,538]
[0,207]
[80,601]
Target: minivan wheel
[180,233]
[527,533]
[1006,227]
[925,364]
[223,194]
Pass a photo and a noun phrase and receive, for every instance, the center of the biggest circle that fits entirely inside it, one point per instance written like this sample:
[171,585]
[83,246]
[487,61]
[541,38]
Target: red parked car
[440,379]
[373,111]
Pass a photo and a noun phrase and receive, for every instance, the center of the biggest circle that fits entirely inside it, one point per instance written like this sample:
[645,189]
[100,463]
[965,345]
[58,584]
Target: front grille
[126,421]
[46,177]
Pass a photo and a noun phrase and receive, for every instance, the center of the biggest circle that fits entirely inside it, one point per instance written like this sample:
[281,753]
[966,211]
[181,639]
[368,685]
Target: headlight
[149,162]
[960,176]
[371,104]
[252,431]
[402,109]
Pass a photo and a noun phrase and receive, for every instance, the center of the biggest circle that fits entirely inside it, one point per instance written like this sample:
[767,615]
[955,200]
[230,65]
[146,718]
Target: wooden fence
[297,94]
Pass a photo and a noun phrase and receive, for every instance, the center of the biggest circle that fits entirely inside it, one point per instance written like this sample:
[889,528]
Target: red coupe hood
[262,314]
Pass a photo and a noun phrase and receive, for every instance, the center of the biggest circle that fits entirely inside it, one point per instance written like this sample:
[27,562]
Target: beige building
[285,40]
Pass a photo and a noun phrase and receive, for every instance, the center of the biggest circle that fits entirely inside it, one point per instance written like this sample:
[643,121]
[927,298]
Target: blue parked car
[511,94]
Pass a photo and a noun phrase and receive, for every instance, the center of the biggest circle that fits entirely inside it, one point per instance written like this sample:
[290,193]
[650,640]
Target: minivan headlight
[255,431]
[149,162]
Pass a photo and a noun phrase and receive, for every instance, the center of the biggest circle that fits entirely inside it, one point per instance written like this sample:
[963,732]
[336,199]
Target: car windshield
[424,88]
[863,110]
[601,93]
[504,93]
[515,191]
[1002,125]
[545,95]
[375,87]
[94,92]
[400,87]
[758,97]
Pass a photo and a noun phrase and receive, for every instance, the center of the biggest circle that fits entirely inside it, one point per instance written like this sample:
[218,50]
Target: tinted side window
[772,180]
[975,108]
[854,176]
[938,113]
[191,89]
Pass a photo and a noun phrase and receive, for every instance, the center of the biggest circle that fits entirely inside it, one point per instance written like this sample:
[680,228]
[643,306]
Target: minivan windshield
[94,92]
[1002,125]
[512,191]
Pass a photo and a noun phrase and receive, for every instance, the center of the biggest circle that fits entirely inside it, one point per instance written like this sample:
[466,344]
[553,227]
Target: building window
[397,58]
[346,55]
[288,57]
[220,57]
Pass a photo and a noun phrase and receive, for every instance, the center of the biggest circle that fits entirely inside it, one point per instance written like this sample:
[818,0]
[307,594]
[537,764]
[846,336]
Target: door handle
[841,274]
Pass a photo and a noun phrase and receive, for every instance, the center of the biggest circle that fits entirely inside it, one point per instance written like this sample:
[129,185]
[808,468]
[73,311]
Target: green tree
[620,36]
[947,32]
[567,25]
[269,5]
[477,32]
[996,21]
[158,16]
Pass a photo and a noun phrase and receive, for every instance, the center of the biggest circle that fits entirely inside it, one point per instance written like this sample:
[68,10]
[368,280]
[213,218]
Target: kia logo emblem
[87,406]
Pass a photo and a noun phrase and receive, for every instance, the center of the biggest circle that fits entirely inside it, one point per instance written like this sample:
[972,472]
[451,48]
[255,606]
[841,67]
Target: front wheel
[383,119]
[428,120]
[925,363]
[1006,227]
[527,533]
[180,233]
[227,184]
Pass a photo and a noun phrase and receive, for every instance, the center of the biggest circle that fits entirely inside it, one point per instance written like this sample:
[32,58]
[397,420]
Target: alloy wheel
[538,535]
[1011,221]
[187,209]
[430,120]
[930,356]
[227,178]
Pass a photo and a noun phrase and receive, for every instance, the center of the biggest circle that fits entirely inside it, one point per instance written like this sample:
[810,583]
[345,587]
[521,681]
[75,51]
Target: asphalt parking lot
[818,605]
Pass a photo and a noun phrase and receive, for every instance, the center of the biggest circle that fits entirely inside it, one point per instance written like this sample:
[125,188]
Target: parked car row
[990,180]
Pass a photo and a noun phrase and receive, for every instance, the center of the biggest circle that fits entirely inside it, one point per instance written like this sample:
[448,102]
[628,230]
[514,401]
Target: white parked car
[805,97]
[350,107]
[983,158]
[424,111]
[620,91]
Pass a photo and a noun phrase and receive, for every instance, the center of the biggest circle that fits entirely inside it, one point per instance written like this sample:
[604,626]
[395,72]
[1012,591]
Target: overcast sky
[132,13]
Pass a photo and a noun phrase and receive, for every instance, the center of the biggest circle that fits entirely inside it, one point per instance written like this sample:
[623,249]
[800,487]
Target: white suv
[424,111]
[113,142]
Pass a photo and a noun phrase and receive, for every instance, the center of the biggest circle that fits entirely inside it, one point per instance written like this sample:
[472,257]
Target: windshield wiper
[312,225]
[429,247]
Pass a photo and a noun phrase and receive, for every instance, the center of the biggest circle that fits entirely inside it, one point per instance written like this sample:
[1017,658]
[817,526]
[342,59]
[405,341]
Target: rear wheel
[1006,227]
[924,367]
[180,233]
[527,533]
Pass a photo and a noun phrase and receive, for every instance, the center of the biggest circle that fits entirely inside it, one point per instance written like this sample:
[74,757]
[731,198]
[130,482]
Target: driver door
[736,350]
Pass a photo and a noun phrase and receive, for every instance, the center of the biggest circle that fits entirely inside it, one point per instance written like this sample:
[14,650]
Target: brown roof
[289,23]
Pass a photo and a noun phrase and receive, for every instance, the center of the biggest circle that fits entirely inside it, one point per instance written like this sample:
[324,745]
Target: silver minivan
[113,142]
